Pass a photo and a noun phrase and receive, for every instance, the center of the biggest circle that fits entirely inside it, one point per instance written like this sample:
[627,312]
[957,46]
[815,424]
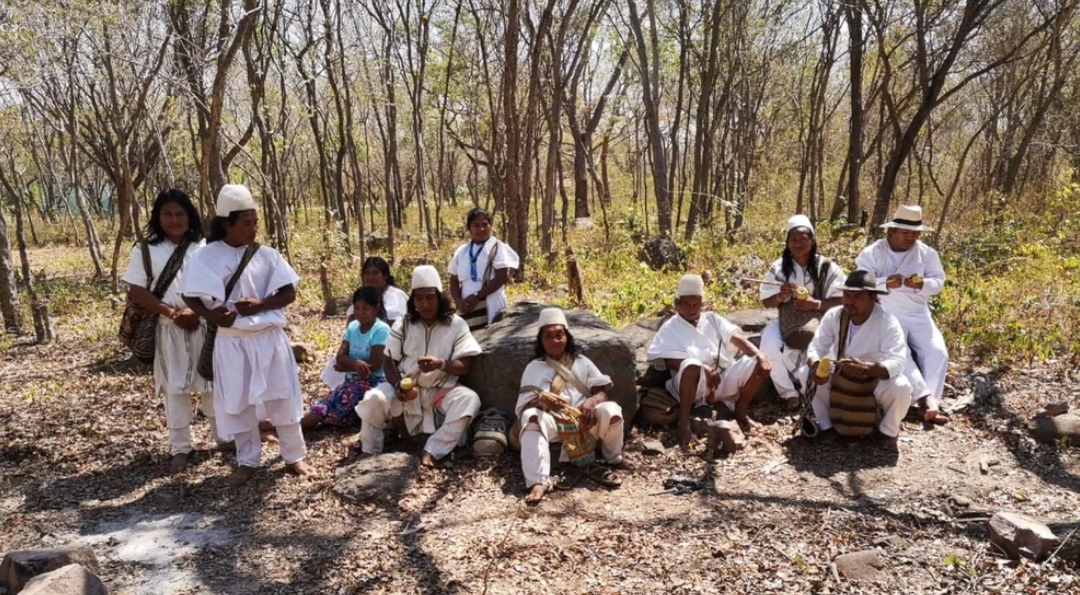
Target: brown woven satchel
[797,327]
[852,405]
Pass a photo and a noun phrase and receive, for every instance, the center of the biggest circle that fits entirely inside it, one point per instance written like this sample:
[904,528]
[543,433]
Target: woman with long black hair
[173,234]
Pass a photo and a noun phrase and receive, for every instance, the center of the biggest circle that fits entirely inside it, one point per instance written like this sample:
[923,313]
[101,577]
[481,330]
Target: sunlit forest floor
[83,452]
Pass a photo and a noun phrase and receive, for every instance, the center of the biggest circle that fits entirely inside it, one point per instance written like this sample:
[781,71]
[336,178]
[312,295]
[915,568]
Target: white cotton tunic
[878,340]
[176,350]
[505,258]
[411,340]
[253,362]
[801,278]
[540,374]
[920,259]
[708,342]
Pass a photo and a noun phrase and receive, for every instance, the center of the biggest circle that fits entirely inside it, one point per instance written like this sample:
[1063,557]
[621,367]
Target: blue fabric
[360,344]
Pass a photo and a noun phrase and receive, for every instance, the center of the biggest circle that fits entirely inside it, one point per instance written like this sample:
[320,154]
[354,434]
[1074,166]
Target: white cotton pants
[249,444]
[539,430]
[930,350]
[893,397]
[178,418]
[785,361]
[375,412]
[731,380]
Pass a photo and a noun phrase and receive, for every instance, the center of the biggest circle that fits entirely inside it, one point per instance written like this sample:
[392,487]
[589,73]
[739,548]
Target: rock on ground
[660,253]
[1051,430]
[508,347]
[1020,535]
[866,565]
[72,579]
[383,477]
[18,567]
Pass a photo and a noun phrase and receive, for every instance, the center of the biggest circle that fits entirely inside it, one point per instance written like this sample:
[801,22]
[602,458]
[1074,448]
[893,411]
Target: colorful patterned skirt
[339,407]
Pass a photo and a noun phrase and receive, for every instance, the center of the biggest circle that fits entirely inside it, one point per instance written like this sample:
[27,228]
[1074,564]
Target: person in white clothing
[254,371]
[574,379]
[913,274]
[479,271]
[433,347]
[874,347]
[174,230]
[701,349]
[799,266]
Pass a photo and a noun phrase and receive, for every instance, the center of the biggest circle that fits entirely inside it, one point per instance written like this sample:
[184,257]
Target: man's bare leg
[746,395]
[687,394]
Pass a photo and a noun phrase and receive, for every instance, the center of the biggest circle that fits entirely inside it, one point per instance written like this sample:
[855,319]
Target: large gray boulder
[508,347]
[384,477]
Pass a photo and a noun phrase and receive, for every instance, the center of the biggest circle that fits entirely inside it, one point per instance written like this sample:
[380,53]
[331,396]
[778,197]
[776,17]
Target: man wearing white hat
[701,350]
[576,382]
[432,346]
[784,340]
[254,371]
[913,274]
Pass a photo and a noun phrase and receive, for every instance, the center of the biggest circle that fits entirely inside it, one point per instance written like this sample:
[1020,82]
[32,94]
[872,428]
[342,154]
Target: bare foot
[299,468]
[793,404]
[624,465]
[241,475]
[269,437]
[933,416]
[535,495]
[178,463]
[266,426]
[427,460]
[686,436]
[747,425]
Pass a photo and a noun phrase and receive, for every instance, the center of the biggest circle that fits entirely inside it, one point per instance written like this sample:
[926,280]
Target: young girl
[254,369]
[479,271]
[174,226]
[360,357]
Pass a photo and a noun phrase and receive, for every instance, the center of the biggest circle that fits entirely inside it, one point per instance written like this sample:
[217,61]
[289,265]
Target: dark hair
[475,214]
[445,314]
[369,295]
[538,349]
[217,226]
[155,233]
[380,263]
[787,262]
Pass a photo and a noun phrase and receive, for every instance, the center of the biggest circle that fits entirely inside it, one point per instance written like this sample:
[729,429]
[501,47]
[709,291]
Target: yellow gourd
[802,293]
[823,368]
[407,389]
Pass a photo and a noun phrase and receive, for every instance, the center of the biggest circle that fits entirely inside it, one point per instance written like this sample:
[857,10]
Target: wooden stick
[748,281]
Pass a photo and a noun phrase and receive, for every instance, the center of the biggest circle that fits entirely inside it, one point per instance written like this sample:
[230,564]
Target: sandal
[566,479]
[604,476]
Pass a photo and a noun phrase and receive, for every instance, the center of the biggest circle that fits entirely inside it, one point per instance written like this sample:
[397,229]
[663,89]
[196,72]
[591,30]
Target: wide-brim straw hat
[908,217]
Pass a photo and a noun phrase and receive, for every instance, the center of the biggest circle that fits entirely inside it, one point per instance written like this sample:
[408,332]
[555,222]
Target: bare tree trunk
[9,291]
[650,81]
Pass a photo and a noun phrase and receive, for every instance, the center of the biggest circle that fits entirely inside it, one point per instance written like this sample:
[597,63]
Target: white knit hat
[232,198]
[690,285]
[549,316]
[908,217]
[799,221]
[426,276]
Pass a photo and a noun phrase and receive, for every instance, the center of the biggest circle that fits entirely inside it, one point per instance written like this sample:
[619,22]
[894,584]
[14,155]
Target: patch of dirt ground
[83,458]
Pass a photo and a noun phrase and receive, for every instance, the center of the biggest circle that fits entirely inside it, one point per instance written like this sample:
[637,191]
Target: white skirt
[255,370]
[176,353]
